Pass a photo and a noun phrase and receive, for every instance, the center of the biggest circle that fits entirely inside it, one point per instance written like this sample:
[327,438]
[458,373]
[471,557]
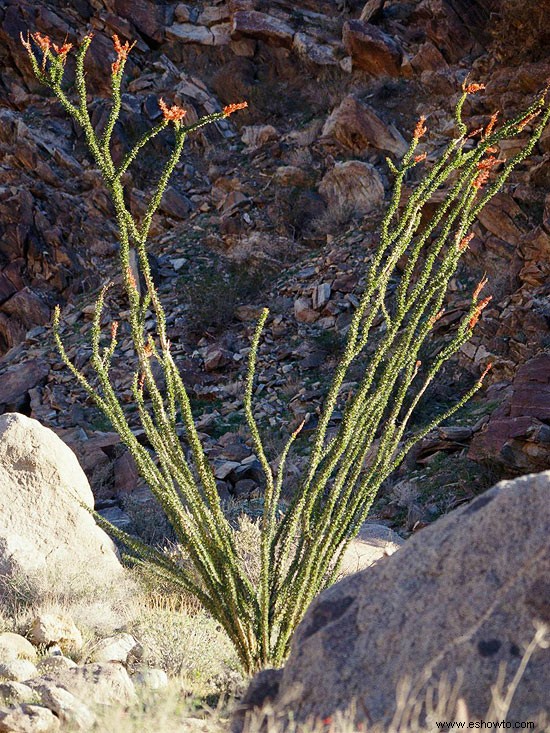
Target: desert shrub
[299,548]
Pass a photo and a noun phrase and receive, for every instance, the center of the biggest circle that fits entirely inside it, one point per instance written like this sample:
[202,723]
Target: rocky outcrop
[353,187]
[463,594]
[44,525]
[371,49]
[517,435]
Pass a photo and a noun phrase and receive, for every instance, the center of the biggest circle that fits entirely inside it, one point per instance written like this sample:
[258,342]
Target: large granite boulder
[44,525]
[460,597]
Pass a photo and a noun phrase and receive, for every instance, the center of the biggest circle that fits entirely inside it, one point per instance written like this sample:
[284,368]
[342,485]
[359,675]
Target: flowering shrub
[300,551]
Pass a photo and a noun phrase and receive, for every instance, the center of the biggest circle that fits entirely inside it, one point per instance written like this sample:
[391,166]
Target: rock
[356,126]
[43,526]
[17,669]
[50,628]
[216,358]
[26,307]
[15,693]
[15,646]
[371,10]
[501,216]
[303,312]
[148,16]
[102,684]
[372,542]
[69,709]
[261,26]
[119,648]
[52,664]
[517,435]
[371,49]
[353,187]
[28,719]
[254,136]
[16,382]
[476,579]
[321,296]
[175,204]
[152,678]
[310,49]
[189,33]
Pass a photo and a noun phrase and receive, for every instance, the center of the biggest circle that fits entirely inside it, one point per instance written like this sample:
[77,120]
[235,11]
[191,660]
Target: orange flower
[481,284]
[115,67]
[420,128]
[64,49]
[419,158]
[122,51]
[465,241]
[485,372]
[491,124]
[478,131]
[473,88]
[477,313]
[526,120]
[233,108]
[148,350]
[173,113]
[485,166]
[42,41]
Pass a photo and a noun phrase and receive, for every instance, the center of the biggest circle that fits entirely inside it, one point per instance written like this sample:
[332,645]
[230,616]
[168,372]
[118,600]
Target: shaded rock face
[517,435]
[43,526]
[463,594]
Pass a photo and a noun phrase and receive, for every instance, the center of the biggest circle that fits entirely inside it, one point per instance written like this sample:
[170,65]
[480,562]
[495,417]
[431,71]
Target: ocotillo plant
[300,552]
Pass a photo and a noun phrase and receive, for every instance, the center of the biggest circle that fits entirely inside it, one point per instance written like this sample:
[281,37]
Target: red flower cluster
[465,241]
[491,124]
[473,88]
[485,167]
[526,120]
[233,108]
[479,308]
[173,113]
[122,52]
[420,128]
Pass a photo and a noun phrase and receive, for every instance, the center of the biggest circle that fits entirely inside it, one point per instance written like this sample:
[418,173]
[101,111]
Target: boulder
[356,126]
[119,648]
[102,684]
[17,670]
[462,596]
[44,523]
[371,49]
[372,542]
[69,709]
[15,646]
[50,628]
[28,719]
[16,382]
[353,187]
[261,26]
[517,435]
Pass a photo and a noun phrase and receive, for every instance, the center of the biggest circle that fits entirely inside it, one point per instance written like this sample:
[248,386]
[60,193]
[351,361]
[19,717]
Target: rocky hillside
[277,207]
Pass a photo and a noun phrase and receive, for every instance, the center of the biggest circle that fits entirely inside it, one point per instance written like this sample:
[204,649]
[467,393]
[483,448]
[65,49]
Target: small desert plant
[300,550]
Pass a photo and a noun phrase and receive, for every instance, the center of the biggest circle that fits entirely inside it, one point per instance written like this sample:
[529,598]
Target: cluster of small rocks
[42,690]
